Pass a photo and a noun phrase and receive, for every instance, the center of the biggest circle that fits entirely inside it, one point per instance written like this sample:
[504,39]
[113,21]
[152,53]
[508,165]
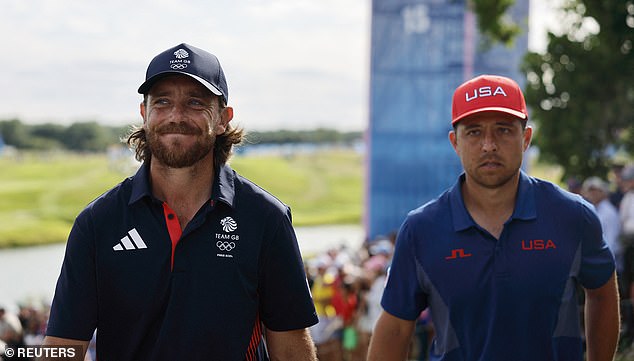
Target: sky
[290,64]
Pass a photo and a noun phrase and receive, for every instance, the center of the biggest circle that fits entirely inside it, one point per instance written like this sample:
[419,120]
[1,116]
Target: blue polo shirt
[155,292]
[512,299]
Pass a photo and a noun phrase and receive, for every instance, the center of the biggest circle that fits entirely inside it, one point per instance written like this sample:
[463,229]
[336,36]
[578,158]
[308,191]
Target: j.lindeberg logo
[458,253]
[228,224]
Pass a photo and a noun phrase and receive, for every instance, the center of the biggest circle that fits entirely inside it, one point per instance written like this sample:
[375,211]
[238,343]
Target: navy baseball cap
[188,60]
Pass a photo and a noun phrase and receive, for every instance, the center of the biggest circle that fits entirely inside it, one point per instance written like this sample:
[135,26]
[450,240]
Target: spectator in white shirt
[597,191]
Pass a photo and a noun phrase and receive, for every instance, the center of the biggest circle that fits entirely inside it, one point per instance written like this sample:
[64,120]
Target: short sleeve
[597,261]
[403,296]
[74,309]
[285,299]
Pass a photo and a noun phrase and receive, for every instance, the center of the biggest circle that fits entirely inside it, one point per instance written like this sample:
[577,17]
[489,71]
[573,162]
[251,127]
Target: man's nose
[178,112]
[489,143]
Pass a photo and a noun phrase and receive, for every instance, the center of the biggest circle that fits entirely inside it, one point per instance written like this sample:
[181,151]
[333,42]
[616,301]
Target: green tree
[491,20]
[319,135]
[14,133]
[47,136]
[49,130]
[87,137]
[581,90]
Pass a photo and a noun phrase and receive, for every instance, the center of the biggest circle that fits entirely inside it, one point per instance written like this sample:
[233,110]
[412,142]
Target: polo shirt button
[170,216]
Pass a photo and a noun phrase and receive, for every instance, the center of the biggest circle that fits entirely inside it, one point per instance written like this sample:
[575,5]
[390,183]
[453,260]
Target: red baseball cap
[488,93]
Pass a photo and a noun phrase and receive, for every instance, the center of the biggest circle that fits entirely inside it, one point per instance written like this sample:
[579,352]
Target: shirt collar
[141,184]
[224,185]
[223,188]
[524,204]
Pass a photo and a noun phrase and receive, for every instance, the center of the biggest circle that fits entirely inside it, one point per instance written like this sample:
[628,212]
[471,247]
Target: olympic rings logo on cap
[178,66]
[225,246]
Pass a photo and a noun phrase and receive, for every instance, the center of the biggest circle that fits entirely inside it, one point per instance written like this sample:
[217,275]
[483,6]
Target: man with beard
[499,258]
[186,260]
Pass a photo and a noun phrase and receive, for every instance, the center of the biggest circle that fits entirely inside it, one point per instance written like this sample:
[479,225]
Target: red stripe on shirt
[256,338]
[173,228]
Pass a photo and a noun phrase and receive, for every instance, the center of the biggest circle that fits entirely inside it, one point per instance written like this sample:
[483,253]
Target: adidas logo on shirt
[130,242]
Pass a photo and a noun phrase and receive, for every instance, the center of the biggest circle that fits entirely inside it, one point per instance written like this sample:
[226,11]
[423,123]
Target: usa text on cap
[189,60]
[488,93]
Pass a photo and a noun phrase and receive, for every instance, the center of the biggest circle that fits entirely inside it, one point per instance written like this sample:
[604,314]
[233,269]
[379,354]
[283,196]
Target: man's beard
[174,154]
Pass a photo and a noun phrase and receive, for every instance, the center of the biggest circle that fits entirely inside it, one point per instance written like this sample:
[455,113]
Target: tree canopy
[90,136]
[492,22]
[86,136]
[581,89]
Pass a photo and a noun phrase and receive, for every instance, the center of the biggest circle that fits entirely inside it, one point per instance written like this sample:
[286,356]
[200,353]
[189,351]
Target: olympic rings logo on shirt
[178,66]
[225,246]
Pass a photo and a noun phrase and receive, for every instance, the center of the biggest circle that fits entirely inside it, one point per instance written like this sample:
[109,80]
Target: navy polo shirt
[515,298]
[235,265]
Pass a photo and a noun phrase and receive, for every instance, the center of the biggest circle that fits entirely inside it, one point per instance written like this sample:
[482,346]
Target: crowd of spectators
[613,200]
[22,327]
[26,326]
[347,285]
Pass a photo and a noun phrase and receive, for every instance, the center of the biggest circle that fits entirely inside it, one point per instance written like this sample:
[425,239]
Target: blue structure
[421,51]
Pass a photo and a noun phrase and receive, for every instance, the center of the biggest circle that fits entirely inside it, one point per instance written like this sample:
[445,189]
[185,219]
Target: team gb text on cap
[488,93]
[188,60]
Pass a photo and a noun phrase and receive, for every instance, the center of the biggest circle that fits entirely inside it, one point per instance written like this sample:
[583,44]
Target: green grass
[550,173]
[320,188]
[40,195]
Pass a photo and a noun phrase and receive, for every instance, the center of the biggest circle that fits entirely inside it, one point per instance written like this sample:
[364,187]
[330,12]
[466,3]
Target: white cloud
[289,63]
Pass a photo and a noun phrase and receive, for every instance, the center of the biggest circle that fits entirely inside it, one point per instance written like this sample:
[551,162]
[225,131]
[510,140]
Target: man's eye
[197,103]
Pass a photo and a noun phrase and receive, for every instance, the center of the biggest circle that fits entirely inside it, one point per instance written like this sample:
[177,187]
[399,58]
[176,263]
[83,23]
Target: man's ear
[453,140]
[226,114]
[528,135]
[142,111]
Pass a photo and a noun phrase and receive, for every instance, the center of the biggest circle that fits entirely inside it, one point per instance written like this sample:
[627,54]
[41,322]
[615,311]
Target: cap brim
[490,109]
[145,87]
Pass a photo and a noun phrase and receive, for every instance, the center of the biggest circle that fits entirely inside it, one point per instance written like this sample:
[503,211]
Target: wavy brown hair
[223,147]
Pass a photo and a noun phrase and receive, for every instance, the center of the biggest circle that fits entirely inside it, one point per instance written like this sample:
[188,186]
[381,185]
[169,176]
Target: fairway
[41,194]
